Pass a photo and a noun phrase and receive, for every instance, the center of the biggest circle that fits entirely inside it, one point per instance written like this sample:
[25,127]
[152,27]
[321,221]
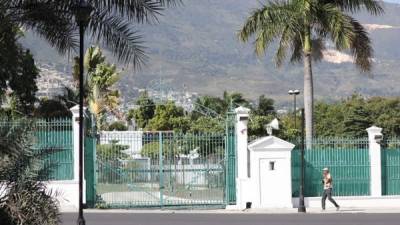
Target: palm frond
[138,10]
[297,50]
[372,6]
[269,23]
[283,46]
[50,20]
[347,34]
[119,35]
[112,23]
[361,47]
[333,22]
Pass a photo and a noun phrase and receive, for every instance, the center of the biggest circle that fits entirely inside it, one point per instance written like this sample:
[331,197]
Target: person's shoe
[337,208]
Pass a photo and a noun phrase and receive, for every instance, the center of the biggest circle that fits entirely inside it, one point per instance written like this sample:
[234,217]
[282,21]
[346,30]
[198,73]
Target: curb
[252,211]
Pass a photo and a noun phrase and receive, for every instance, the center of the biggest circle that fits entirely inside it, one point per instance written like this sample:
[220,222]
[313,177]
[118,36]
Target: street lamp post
[302,207]
[294,93]
[82,16]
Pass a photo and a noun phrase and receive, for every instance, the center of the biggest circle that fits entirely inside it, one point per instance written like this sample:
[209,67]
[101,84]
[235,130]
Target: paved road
[233,219]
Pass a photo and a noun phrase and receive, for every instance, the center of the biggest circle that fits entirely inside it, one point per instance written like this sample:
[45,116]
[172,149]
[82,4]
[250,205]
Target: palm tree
[112,22]
[302,27]
[100,80]
[234,99]
[24,197]
[93,57]
[102,97]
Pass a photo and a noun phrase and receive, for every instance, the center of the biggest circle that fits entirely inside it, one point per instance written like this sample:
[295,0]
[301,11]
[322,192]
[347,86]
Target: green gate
[90,142]
[160,169]
[391,167]
[347,159]
[230,153]
[55,138]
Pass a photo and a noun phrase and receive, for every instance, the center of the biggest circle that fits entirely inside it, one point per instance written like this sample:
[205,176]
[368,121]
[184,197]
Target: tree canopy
[302,28]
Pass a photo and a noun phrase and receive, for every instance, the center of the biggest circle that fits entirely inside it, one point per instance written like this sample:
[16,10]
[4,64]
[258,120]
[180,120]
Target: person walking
[327,182]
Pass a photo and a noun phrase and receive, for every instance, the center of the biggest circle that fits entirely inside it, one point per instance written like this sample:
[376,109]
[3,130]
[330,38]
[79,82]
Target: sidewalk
[251,211]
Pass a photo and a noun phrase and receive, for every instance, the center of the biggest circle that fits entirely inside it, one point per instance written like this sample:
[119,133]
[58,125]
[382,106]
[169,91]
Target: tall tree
[302,27]
[23,83]
[235,99]
[206,105]
[165,117]
[265,106]
[18,71]
[356,121]
[9,51]
[102,95]
[52,108]
[100,81]
[145,111]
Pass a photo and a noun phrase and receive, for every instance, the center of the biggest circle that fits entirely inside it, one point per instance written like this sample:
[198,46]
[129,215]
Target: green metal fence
[157,169]
[54,136]
[347,159]
[391,167]
[90,170]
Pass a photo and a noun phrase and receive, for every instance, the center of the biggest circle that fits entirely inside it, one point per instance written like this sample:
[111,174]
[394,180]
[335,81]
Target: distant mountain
[195,47]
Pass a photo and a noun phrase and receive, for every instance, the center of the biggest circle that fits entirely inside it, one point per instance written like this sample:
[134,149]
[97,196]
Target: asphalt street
[233,219]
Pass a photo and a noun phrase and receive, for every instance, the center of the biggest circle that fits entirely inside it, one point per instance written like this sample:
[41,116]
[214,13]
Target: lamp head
[294,92]
[273,125]
[83,11]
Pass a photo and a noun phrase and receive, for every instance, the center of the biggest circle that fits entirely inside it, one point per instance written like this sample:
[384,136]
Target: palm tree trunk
[308,91]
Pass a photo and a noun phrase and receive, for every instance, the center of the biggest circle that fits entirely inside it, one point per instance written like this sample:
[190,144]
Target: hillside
[196,46]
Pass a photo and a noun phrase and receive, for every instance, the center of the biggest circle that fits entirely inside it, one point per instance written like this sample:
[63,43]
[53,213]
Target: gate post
[242,118]
[230,157]
[75,130]
[374,138]
[75,135]
[161,167]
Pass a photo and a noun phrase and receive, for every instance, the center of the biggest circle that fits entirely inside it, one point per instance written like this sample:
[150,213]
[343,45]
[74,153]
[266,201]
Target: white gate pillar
[75,137]
[374,138]
[242,118]
[75,129]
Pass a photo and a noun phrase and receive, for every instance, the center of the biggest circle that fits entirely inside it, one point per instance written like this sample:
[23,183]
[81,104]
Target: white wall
[133,139]
[67,194]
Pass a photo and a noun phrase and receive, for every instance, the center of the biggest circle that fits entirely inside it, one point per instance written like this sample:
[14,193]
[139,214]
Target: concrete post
[242,118]
[75,129]
[374,138]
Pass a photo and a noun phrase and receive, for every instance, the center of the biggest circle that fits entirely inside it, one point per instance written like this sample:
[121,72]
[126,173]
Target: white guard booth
[269,184]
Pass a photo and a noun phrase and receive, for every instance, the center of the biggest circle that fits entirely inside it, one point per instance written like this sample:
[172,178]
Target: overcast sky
[395,1]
